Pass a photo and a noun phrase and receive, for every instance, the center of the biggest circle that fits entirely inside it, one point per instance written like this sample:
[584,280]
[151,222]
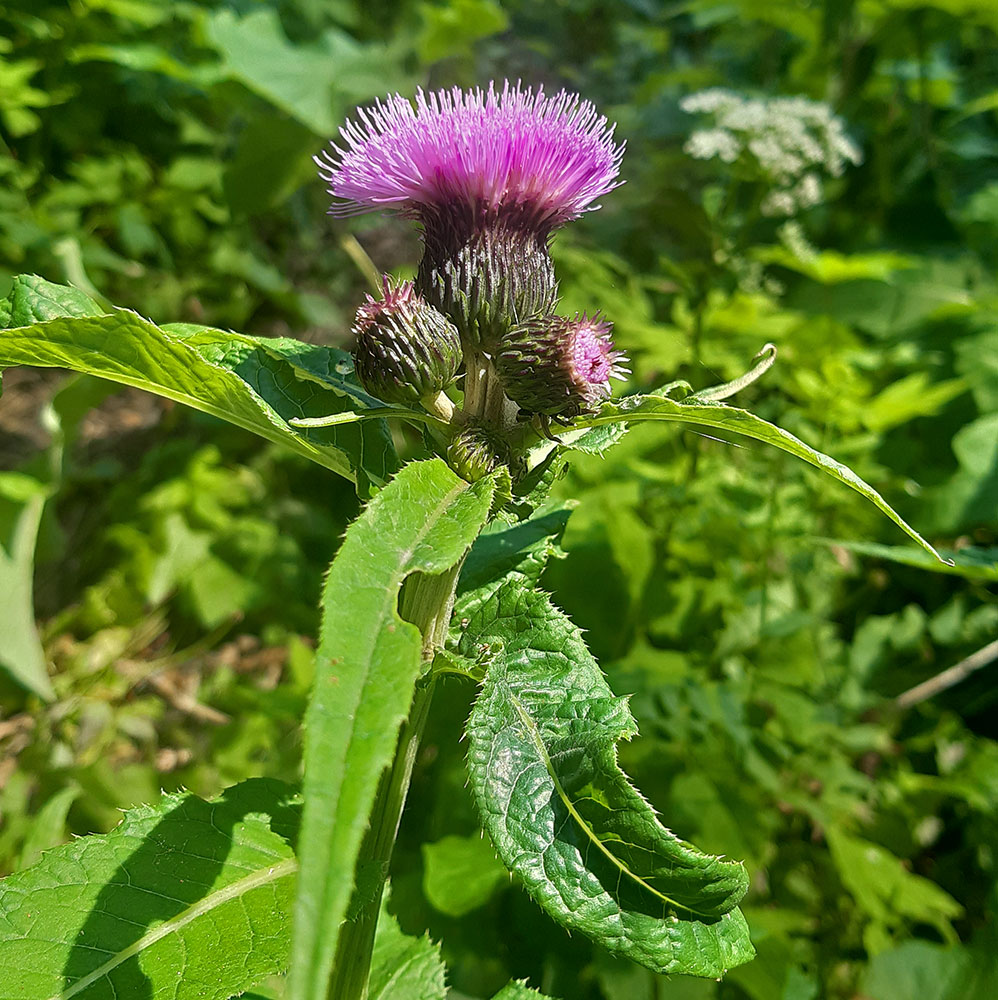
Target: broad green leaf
[460,874]
[22,499]
[303,80]
[187,899]
[404,967]
[737,421]
[921,970]
[367,665]
[234,377]
[564,817]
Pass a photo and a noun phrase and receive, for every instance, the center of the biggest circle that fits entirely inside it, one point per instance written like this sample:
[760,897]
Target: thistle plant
[439,575]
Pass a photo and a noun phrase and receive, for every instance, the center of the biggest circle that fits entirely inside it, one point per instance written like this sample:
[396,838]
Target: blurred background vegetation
[159,155]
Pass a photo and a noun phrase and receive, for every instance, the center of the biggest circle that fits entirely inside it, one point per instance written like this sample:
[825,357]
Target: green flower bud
[488,281]
[406,349]
[477,451]
[559,367]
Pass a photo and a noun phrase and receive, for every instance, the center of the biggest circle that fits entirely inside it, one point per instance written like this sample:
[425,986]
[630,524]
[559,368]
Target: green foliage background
[158,155]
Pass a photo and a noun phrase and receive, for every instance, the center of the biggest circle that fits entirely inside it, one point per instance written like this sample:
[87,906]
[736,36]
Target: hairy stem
[427,602]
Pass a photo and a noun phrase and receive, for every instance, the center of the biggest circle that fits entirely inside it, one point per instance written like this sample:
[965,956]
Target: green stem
[427,602]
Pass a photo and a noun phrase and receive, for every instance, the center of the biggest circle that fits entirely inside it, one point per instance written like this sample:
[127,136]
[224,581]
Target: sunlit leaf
[733,420]
[367,665]
[563,816]
[186,898]
[227,375]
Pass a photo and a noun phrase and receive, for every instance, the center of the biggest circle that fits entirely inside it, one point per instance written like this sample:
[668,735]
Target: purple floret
[590,357]
[514,156]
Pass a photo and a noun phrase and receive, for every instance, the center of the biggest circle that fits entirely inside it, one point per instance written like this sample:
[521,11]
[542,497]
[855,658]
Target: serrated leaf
[228,375]
[404,967]
[722,417]
[565,818]
[187,899]
[523,548]
[519,990]
[367,665]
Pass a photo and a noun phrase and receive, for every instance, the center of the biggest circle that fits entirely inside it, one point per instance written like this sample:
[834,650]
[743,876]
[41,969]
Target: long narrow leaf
[367,665]
[737,421]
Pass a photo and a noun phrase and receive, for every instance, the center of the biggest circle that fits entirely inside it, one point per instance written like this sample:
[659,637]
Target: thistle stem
[440,406]
[427,602]
[476,383]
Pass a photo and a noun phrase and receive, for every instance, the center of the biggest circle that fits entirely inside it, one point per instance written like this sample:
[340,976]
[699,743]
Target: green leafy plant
[437,576]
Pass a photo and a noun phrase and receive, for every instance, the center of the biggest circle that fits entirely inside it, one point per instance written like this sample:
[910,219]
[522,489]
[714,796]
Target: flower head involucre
[513,156]
[560,367]
[406,349]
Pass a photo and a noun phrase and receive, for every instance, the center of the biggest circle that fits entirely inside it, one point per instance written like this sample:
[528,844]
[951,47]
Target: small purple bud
[559,367]
[406,349]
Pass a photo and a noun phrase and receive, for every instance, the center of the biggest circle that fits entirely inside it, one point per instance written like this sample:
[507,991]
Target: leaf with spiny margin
[524,548]
[519,990]
[563,816]
[404,967]
[244,380]
[722,417]
[187,899]
[367,666]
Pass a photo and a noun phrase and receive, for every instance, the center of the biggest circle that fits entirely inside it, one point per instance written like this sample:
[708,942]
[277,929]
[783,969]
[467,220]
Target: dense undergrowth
[765,621]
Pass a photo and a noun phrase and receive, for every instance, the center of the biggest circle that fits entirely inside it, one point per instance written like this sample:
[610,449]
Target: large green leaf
[367,665]
[237,378]
[303,80]
[731,419]
[187,899]
[560,812]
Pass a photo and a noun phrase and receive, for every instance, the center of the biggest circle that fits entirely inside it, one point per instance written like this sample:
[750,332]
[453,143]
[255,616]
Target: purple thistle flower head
[513,157]
[560,367]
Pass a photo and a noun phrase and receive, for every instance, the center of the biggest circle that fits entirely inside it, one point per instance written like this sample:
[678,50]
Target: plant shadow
[172,863]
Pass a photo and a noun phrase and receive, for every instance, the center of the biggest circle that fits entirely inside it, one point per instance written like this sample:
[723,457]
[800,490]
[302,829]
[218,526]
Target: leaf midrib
[539,745]
[210,902]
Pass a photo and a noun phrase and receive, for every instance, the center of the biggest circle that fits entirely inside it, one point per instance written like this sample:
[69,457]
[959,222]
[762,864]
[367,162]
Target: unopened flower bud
[559,367]
[487,281]
[406,349]
[477,451]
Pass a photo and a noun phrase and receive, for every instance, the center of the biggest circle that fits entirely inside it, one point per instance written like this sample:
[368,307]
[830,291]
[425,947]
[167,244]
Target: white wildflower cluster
[791,142]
